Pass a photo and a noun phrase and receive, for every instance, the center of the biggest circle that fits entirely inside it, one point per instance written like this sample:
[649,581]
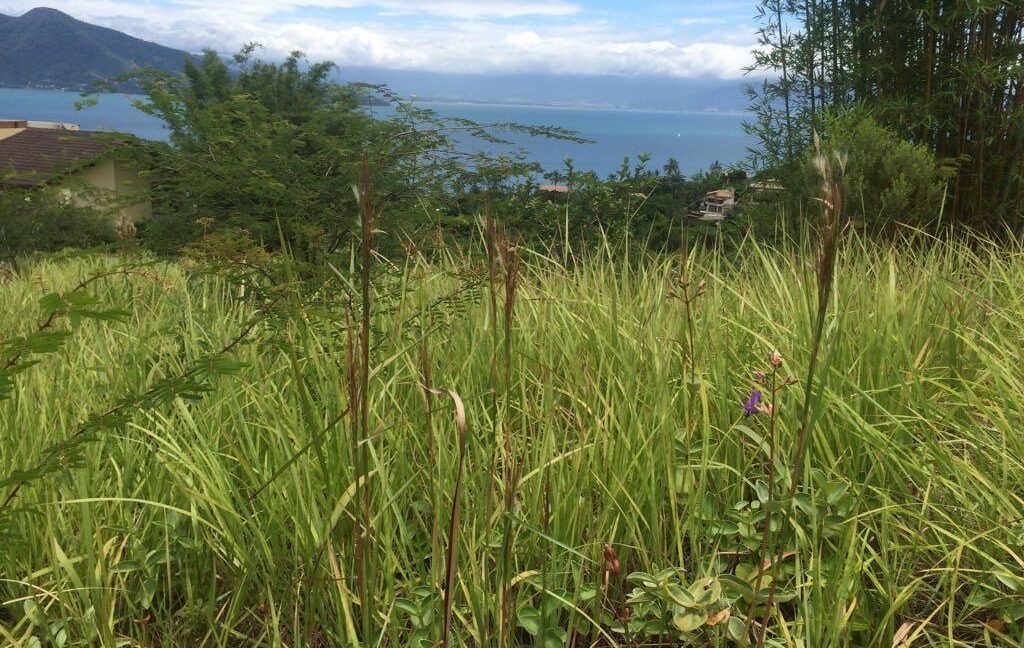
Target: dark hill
[46,48]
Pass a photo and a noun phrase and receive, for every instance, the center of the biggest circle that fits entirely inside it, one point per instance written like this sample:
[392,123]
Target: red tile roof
[36,155]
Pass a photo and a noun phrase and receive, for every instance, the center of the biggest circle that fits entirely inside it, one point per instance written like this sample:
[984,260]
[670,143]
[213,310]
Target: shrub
[44,221]
[888,180]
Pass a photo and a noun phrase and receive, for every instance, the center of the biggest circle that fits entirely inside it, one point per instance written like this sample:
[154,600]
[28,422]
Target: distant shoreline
[561,106]
[449,102]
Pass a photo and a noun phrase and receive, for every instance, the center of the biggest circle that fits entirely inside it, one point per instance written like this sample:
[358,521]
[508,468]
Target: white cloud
[477,38]
[690,22]
[464,9]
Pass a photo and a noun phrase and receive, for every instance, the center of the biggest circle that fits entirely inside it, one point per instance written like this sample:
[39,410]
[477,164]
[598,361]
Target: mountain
[46,48]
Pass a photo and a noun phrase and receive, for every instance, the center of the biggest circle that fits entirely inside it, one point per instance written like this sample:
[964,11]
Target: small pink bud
[611,559]
[775,359]
[609,553]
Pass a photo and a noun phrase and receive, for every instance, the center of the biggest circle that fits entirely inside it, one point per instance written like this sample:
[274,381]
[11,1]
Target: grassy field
[231,519]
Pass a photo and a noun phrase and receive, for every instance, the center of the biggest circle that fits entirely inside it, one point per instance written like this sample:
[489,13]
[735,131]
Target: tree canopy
[946,75]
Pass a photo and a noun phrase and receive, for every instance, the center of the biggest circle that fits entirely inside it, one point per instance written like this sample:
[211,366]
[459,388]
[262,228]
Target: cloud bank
[454,36]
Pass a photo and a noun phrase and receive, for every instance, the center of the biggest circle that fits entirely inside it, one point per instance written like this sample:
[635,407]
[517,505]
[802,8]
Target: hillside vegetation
[46,48]
[615,475]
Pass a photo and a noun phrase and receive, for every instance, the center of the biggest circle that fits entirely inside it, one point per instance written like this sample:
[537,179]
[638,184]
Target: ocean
[695,140]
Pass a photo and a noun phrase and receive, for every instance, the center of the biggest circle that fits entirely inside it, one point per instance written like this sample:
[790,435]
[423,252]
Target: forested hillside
[48,48]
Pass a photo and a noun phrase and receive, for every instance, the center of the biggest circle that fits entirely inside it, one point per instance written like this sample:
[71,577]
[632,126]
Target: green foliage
[275,149]
[61,315]
[419,611]
[665,607]
[270,150]
[226,245]
[47,221]
[216,499]
[637,208]
[941,75]
[148,569]
[888,181]
[19,352]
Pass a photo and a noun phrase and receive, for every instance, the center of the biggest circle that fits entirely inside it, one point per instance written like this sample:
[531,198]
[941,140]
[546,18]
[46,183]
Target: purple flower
[750,406]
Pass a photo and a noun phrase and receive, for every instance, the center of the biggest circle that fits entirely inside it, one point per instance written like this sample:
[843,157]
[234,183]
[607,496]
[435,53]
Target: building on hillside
[716,205]
[768,185]
[552,190]
[762,191]
[81,165]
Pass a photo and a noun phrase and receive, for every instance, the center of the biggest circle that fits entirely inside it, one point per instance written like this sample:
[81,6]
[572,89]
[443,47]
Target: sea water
[695,140]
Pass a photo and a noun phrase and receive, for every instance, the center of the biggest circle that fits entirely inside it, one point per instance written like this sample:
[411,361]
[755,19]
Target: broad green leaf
[680,596]
[784,596]
[407,606]
[78,299]
[643,578]
[707,591]
[761,489]
[835,490]
[126,567]
[148,591]
[688,620]
[746,571]
[586,594]
[33,611]
[736,628]
[725,528]
[736,586]
[1014,583]
[803,502]
[529,619]
[554,638]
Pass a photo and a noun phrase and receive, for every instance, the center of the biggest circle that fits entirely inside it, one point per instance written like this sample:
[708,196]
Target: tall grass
[599,408]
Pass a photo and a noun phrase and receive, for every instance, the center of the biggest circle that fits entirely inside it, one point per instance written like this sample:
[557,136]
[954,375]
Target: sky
[682,38]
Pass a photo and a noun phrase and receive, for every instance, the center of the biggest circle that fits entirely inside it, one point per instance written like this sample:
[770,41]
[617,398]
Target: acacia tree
[255,148]
[275,149]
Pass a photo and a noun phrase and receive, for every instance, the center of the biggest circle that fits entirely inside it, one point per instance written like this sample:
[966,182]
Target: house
[553,190]
[81,165]
[716,205]
[769,185]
